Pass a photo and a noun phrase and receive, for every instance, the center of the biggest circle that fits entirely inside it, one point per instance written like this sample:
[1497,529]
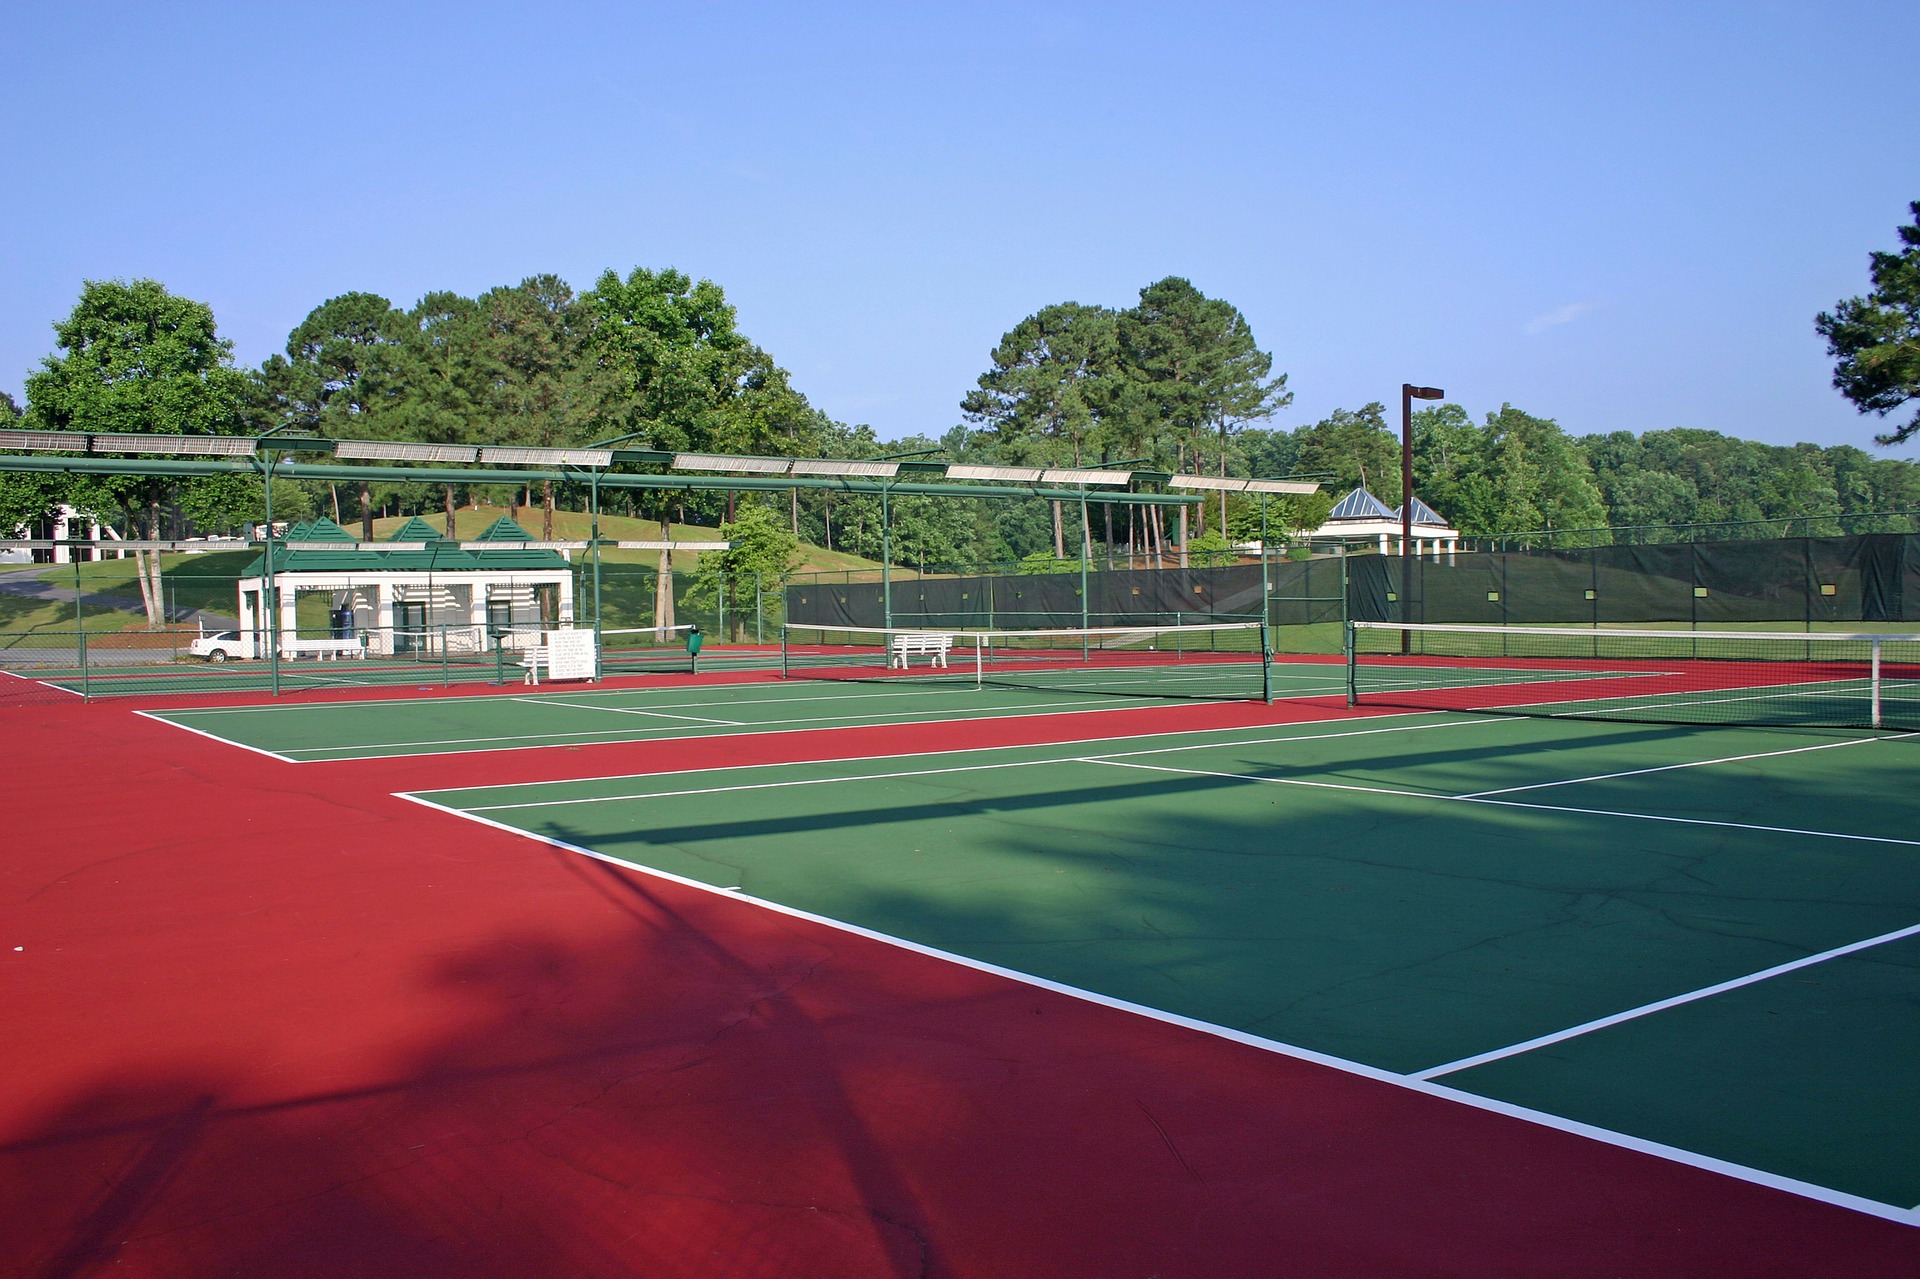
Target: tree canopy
[1176,378]
[134,358]
[1875,340]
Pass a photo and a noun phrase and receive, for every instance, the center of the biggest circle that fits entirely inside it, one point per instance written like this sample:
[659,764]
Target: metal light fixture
[546,457]
[1072,475]
[727,464]
[1004,474]
[381,450]
[184,445]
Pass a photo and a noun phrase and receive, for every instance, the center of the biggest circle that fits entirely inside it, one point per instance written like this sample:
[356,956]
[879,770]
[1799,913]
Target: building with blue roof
[1361,517]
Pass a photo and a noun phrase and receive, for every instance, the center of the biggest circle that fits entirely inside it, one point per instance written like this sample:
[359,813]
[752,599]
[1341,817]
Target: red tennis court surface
[265,1019]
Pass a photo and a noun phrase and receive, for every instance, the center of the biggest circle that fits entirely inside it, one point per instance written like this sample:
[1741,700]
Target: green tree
[1356,448]
[665,360]
[341,376]
[1547,476]
[135,358]
[1048,392]
[26,497]
[531,358]
[751,574]
[1212,550]
[222,503]
[1195,373]
[436,380]
[1515,474]
[1875,340]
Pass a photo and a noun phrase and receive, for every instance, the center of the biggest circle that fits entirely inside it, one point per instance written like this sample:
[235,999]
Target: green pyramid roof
[505,530]
[320,530]
[440,554]
[415,530]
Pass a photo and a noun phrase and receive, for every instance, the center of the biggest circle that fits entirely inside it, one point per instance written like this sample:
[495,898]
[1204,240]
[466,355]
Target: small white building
[1362,517]
[65,524]
[418,593]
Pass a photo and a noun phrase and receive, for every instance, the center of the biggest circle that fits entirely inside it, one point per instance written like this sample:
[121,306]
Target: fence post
[80,626]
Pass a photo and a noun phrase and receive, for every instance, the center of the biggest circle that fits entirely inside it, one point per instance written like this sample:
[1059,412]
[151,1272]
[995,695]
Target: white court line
[1102,757]
[400,703]
[1686,821]
[44,683]
[159,717]
[542,741]
[1772,692]
[1699,763]
[1659,1005]
[753,786]
[1625,1141]
[1513,803]
[632,710]
[1276,781]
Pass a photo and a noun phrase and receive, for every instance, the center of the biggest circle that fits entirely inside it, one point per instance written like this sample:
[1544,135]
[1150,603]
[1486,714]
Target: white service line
[58,688]
[1663,701]
[1663,768]
[632,710]
[753,786]
[1686,821]
[1693,1159]
[403,702]
[615,735]
[1275,781]
[1101,758]
[1513,803]
[160,717]
[1659,1005]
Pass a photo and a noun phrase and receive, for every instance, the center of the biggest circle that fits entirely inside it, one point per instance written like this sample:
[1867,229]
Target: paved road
[25,582]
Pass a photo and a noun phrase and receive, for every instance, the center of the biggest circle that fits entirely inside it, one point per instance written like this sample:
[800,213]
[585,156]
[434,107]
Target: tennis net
[1760,678]
[635,650]
[1209,662]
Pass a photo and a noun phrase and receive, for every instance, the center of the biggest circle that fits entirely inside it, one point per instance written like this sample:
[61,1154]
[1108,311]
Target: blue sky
[1621,216]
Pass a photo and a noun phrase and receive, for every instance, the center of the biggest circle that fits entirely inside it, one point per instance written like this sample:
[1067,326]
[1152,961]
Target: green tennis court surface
[1703,939]
[575,715]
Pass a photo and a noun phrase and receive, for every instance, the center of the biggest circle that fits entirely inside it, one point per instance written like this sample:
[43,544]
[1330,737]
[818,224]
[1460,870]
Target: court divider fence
[88,628]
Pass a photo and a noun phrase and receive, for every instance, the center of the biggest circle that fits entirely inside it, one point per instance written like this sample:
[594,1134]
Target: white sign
[570,654]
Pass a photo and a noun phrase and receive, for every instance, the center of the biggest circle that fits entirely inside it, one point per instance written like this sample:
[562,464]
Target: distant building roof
[1362,515]
[1361,505]
[414,530]
[1423,514]
[337,551]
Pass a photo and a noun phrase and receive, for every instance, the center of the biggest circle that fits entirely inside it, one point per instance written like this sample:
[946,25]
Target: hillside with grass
[204,581]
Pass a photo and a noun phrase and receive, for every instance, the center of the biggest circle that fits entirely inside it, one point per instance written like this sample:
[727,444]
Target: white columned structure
[1361,517]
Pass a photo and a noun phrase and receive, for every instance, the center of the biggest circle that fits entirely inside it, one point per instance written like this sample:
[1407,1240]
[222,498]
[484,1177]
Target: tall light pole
[269,594]
[886,533]
[1408,394]
[593,479]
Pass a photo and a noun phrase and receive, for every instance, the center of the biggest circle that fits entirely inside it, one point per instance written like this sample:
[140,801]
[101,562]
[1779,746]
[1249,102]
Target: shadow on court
[269,1021]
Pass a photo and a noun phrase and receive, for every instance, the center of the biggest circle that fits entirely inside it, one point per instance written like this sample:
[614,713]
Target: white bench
[328,649]
[901,647]
[533,659]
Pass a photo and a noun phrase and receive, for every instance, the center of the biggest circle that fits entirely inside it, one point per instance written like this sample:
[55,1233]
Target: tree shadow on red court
[686,1086]
[653,1104]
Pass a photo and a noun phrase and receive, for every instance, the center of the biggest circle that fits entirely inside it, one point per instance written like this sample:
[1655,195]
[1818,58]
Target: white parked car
[218,646]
